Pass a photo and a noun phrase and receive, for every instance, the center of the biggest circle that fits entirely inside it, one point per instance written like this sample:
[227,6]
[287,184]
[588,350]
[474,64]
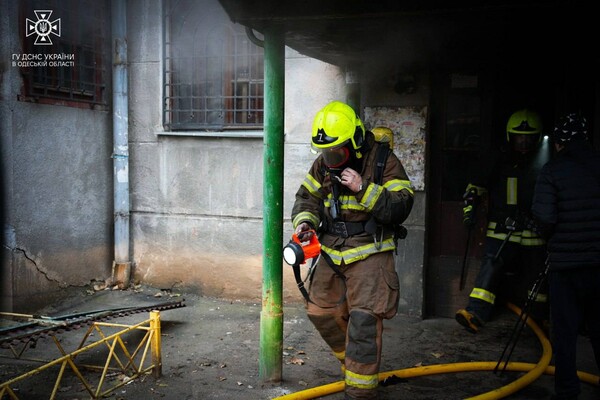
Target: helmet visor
[336,157]
[524,143]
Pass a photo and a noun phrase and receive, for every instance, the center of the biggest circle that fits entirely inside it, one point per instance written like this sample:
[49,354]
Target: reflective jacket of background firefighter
[510,183]
[389,203]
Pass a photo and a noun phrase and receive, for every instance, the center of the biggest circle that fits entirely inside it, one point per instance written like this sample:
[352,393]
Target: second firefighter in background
[514,252]
[354,285]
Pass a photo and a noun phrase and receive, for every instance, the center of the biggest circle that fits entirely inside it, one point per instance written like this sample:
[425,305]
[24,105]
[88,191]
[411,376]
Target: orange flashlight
[296,252]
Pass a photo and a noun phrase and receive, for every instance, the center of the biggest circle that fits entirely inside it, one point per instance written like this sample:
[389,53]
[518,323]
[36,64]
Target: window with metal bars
[213,74]
[69,65]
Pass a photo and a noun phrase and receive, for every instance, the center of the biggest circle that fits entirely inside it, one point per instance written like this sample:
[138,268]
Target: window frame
[233,130]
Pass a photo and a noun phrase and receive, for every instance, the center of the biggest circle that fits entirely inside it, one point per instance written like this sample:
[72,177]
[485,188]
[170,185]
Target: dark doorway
[469,114]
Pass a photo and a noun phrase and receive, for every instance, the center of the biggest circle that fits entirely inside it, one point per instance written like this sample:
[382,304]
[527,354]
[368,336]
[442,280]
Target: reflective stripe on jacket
[525,237]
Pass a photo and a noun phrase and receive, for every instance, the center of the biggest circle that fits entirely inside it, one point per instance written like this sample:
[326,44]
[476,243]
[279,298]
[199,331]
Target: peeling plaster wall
[61,199]
[58,188]
[409,125]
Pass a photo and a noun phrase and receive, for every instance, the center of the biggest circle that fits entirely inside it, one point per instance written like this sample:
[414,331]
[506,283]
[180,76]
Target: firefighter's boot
[469,320]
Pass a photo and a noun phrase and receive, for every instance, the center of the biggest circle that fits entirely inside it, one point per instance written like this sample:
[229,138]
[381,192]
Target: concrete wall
[57,187]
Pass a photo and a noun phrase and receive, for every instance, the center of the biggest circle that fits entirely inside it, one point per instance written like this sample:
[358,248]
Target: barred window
[213,74]
[66,52]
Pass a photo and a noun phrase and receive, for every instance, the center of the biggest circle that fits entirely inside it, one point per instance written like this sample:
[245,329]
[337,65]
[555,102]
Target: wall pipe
[271,317]
[121,264]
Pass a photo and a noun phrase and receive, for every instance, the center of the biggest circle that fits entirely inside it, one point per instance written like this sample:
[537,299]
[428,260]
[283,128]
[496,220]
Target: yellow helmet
[384,134]
[336,126]
[524,122]
[524,130]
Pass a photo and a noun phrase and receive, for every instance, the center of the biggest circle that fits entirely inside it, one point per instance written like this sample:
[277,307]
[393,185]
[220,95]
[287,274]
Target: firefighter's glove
[302,231]
[468,215]
[470,199]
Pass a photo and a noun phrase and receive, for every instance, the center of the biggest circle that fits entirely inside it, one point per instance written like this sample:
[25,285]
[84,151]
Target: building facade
[195,151]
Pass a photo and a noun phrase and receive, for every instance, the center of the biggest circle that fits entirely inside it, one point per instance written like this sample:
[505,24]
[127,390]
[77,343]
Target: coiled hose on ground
[534,371]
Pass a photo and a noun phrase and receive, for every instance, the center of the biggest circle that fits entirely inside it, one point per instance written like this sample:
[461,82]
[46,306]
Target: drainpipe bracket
[121,274]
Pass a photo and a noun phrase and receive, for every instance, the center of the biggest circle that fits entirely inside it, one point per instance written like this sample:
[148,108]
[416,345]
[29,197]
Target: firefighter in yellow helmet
[384,134]
[514,251]
[356,209]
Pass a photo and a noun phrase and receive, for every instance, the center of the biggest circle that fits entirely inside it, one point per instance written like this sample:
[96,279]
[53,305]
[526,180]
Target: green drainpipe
[271,316]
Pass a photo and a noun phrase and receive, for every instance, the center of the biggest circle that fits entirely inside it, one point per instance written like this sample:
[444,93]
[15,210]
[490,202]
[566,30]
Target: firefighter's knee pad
[362,337]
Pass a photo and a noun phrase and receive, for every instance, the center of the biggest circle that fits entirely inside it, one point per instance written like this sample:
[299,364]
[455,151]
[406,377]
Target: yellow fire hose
[534,371]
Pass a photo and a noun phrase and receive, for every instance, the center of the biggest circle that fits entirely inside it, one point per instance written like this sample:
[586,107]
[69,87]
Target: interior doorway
[468,122]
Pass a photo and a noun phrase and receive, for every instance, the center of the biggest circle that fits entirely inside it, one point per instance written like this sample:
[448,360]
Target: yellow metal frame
[126,363]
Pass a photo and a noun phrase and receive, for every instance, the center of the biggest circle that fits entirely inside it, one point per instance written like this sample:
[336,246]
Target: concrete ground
[211,347]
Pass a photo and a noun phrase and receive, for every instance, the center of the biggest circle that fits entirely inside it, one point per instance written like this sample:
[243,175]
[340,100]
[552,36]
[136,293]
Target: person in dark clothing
[566,206]
[511,248]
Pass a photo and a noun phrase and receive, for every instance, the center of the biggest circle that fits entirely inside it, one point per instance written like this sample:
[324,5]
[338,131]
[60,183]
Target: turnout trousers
[349,314]
[509,276]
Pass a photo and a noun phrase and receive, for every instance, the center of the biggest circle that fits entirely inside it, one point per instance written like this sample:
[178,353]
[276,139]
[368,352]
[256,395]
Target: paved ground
[210,350]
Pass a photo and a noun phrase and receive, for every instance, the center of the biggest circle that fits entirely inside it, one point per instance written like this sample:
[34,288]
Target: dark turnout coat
[389,202]
[567,205]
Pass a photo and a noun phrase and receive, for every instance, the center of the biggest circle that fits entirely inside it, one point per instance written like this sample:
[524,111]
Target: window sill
[215,134]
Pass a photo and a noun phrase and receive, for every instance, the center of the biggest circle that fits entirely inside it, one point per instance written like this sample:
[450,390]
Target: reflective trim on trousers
[361,381]
[484,295]
[540,297]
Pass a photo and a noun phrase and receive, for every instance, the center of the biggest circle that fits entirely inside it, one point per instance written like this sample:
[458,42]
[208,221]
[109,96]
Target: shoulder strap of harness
[383,152]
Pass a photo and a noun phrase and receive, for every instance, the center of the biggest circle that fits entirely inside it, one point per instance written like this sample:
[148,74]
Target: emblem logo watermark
[43,27]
